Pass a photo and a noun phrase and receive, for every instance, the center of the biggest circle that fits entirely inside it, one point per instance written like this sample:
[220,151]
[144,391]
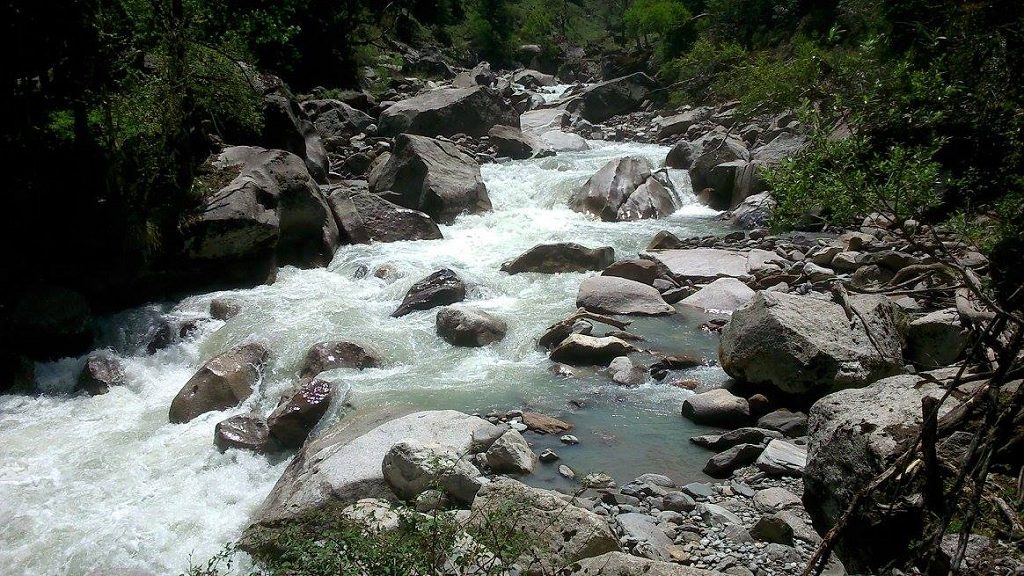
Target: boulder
[441,288]
[430,176]
[224,381]
[754,212]
[781,458]
[792,424]
[772,529]
[447,112]
[625,373]
[269,213]
[680,123]
[511,454]
[642,534]
[854,435]
[936,339]
[603,100]
[296,415]
[579,349]
[716,407]
[343,465]
[467,326]
[364,217]
[411,467]
[621,564]
[100,373]
[287,127]
[222,309]
[538,122]
[638,270]
[713,150]
[479,75]
[735,437]
[331,355]
[613,295]
[700,264]
[513,142]
[533,79]
[335,119]
[724,463]
[244,432]
[680,156]
[807,345]
[544,424]
[558,141]
[567,532]
[560,257]
[625,189]
[775,499]
[724,295]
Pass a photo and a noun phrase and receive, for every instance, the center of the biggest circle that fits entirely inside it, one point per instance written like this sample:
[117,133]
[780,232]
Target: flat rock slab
[781,458]
[701,264]
[613,295]
[342,467]
[723,296]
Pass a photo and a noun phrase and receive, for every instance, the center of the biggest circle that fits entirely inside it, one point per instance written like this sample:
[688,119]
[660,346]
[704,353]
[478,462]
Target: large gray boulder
[808,345]
[566,532]
[725,173]
[603,100]
[854,435]
[701,264]
[513,142]
[625,189]
[560,257]
[287,127]
[676,124]
[547,125]
[223,382]
[441,288]
[622,564]
[297,414]
[448,111]
[614,295]
[431,176]
[100,373]
[467,326]
[364,217]
[335,119]
[581,349]
[411,467]
[511,454]
[242,432]
[344,464]
[936,339]
[269,213]
[533,79]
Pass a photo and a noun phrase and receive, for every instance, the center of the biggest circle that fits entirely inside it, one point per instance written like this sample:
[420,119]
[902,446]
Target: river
[105,485]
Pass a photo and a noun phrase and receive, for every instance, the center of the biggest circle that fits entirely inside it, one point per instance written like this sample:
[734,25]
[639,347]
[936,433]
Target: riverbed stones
[224,381]
[625,189]
[936,339]
[101,371]
[364,217]
[411,467]
[724,295]
[447,112]
[441,288]
[854,435]
[808,345]
[343,464]
[621,564]
[244,432]
[431,176]
[560,257]
[511,454]
[330,355]
[613,295]
[717,407]
[567,531]
[462,325]
[296,415]
[731,438]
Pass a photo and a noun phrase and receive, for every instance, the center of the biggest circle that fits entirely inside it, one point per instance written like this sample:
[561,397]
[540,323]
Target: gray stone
[613,295]
[364,217]
[698,490]
[448,111]
[625,189]
[625,373]
[461,325]
[937,339]
[580,349]
[678,502]
[599,102]
[638,270]
[803,344]
[295,416]
[716,407]
[723,464]
[560,257]
[101,371]
[724,295]
[510,453]
[512,142]
[775,499]
[324,356]
[441,288]
[620,564]
[412,467]
[244,432]
[781,458]
[791,424]
[772,529]
[734,437]
[701,264]
[648,539]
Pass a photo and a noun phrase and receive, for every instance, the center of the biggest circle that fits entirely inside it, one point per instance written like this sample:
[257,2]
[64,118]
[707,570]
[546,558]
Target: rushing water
[105,485]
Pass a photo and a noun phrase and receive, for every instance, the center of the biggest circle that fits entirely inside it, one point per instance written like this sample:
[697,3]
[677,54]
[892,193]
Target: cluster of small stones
[698,538]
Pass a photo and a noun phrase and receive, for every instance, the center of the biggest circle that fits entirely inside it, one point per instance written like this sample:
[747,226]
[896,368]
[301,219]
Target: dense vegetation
[113,103]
